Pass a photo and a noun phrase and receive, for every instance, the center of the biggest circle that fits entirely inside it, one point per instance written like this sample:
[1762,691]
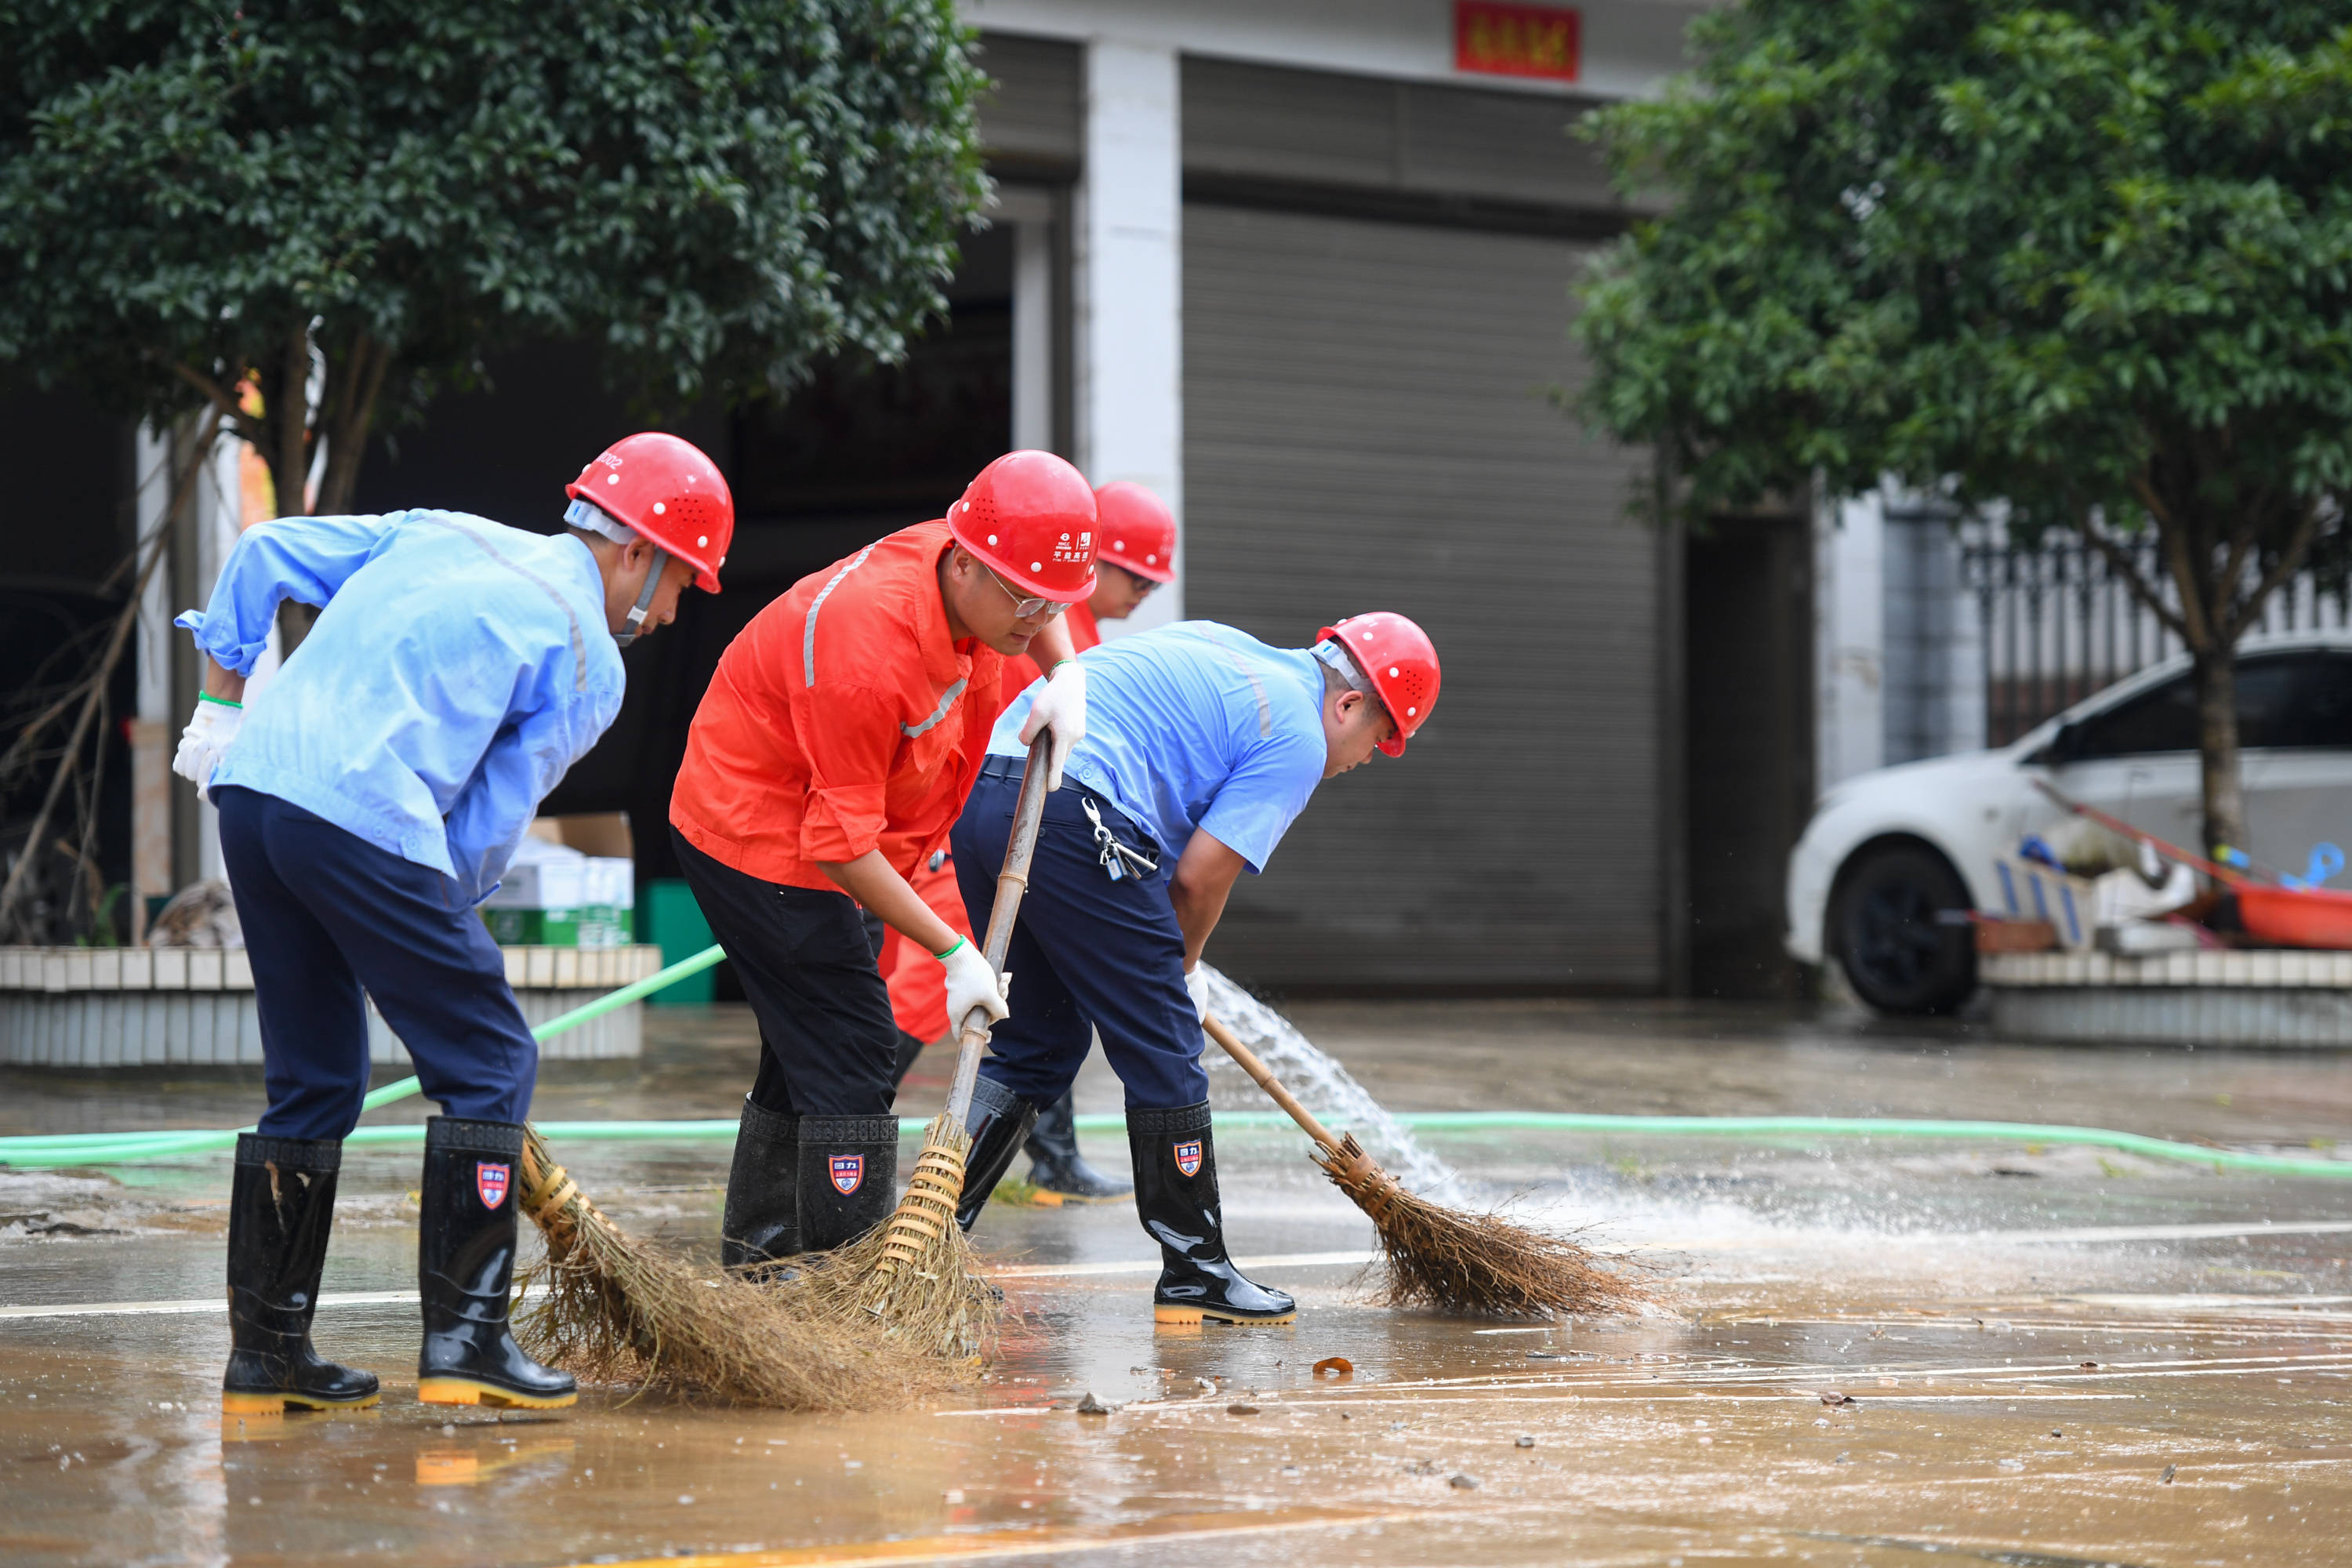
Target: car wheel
[1897,955]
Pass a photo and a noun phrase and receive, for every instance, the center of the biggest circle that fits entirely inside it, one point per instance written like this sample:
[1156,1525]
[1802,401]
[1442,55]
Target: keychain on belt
[1116,859]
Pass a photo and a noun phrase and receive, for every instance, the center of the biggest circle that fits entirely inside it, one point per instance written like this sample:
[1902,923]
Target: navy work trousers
[326,914]
[1088,954]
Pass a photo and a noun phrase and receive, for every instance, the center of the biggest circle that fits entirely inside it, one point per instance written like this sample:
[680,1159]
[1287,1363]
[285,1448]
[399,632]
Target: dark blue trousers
[1087,953]
[326,914]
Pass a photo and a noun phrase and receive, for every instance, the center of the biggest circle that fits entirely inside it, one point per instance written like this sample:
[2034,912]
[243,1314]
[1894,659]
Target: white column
[220,518]
[1131,365]
[1850,643]
[1033,336]
[152,729]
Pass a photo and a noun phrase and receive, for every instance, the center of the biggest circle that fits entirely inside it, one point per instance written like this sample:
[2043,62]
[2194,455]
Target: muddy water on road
[2039,1357]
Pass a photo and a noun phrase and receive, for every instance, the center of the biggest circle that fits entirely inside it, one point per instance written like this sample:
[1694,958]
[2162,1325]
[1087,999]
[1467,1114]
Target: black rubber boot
[281,1205]
[999,1122]
[464,1272]
[849,1177]
[1056,1166]
[761,1222]
[1176,1197]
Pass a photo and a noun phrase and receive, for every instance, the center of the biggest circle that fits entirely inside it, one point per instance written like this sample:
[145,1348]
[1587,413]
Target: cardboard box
[582,925]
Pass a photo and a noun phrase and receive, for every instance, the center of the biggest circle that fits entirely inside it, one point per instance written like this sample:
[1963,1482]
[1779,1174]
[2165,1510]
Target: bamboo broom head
[916,1278]
[1478,1265]
[617,1309]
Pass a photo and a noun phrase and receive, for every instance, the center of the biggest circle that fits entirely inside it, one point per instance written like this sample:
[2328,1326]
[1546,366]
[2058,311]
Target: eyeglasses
[1028,609]
[1144,586]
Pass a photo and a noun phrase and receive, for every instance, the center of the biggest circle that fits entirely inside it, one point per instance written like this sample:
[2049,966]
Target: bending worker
[1202,746]
[831,754]
[1135,538]
[369,801]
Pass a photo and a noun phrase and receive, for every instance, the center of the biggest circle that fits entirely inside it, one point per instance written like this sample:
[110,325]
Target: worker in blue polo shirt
[1202,744]
[369,800]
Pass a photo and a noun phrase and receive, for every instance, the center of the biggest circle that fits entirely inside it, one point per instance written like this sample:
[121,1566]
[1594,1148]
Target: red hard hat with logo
[1136,531]
[1030,517]
[1400,660]
[667,490]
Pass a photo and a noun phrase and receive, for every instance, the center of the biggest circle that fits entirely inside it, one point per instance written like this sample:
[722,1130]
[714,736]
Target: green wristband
[208,697]
[943,957]
[1058,663]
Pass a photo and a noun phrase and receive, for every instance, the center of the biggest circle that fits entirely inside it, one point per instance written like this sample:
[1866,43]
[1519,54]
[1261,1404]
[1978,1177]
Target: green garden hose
[127,1148]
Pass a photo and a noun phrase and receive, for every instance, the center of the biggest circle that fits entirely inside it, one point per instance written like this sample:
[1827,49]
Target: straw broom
[617,1310]
[917,1274]
[1475,1264]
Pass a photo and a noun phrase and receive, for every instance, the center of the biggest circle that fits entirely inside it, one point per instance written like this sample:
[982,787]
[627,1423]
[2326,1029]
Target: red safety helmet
[1138,530]
[1400,660]
[1030,517]
[667,490]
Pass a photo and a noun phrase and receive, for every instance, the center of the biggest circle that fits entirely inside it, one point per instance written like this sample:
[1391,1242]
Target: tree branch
[293,417]
[246,427]
[2289,562]
[347,436]
[2196,627]
[181,490]
[2119,561]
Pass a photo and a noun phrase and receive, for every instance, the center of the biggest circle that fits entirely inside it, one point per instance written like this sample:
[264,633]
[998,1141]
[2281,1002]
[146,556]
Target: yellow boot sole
[277,1404]
[465,1391]
[1194,1316]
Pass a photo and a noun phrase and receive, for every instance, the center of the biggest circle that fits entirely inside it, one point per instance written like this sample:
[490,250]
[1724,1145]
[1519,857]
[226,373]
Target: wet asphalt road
[2052,1355]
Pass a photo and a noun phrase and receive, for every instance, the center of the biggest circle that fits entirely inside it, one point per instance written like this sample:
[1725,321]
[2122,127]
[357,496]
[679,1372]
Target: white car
[1889,852]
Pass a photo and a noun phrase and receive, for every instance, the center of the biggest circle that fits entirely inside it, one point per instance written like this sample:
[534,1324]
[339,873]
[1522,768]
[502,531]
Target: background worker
[1203,745]
[1135,553]
[831,754]
[370,799]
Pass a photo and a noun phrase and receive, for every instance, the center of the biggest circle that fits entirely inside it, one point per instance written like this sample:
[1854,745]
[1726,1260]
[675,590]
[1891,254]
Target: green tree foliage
[2090,260]
[350,205]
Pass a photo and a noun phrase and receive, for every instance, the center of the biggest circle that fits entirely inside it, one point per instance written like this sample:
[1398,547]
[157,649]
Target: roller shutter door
[1366,426]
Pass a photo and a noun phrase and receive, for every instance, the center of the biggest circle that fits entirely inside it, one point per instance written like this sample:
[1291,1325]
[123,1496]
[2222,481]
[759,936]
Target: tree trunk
[2215,673]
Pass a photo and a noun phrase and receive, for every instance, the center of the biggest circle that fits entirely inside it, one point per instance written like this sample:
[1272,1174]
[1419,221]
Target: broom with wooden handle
[917,1272]
[614,1308]
[1478,1264]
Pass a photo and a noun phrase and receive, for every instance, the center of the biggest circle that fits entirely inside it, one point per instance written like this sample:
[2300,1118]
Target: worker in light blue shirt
[369,801]
[1203,745]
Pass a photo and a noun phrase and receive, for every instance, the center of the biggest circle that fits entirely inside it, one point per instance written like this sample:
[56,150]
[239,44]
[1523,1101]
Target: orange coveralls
[842,719]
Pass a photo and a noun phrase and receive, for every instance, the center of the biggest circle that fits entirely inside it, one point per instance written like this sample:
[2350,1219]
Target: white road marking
[1345,1260]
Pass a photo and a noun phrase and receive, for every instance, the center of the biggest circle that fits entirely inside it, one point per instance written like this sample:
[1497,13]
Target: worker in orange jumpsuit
[832,752]
[1135,551]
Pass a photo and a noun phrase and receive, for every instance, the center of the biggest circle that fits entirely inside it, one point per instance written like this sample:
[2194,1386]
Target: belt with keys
[1116,859]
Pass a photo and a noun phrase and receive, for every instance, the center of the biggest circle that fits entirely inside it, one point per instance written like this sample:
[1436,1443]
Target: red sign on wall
[1496,39]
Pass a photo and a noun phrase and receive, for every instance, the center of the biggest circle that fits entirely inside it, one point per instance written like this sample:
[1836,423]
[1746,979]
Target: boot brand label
[491,1181]
[1188,1157]
[849,1172]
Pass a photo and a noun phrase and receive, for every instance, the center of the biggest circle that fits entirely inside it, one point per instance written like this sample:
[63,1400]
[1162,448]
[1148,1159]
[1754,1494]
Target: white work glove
[1061,708]
[1196,981]
[972,984]
[206,740]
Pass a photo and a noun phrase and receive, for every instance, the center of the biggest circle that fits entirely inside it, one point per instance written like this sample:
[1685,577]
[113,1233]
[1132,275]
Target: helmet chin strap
[645,599]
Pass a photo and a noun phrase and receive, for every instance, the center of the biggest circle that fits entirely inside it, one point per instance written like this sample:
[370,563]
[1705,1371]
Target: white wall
[1849,600]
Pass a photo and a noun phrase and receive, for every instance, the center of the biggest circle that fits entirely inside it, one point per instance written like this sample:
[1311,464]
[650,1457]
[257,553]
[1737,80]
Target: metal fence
[2059,624]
